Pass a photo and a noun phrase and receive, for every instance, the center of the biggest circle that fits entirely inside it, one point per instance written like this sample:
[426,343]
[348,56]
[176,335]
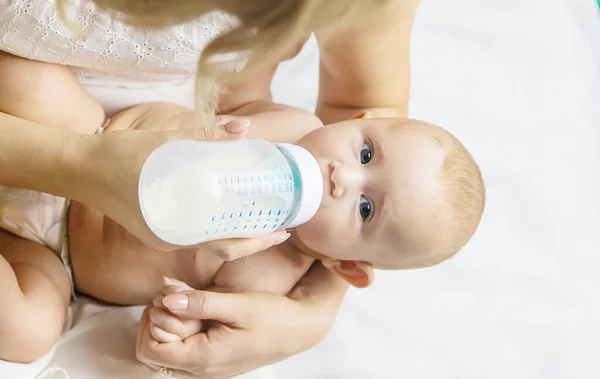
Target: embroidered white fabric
[112,50]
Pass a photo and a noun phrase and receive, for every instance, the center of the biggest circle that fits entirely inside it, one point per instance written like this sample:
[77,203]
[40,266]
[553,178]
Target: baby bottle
[192,192]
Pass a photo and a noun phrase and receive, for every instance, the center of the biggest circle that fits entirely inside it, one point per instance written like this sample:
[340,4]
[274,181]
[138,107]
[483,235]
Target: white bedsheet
[518,81]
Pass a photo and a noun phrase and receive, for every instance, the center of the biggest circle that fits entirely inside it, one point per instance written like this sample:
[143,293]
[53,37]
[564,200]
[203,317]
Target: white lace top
[112,50]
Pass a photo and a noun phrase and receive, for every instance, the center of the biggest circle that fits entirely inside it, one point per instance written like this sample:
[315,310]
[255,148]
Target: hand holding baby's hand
[166,327]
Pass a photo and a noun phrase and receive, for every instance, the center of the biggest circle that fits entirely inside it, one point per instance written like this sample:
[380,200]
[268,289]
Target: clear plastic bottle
[192,192]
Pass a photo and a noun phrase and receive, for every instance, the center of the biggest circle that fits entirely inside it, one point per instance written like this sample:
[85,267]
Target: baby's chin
[314,241]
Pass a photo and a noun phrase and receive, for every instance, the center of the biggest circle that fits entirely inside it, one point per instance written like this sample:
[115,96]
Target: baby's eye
[366,153]
[365,208]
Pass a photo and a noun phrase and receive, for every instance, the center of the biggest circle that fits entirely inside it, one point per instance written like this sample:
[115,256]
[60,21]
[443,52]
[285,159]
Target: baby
[397,194]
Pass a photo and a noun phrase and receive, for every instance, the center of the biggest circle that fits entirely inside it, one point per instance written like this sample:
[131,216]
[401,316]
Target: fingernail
[361,115]
[282,239]
[175,302]
[245,123]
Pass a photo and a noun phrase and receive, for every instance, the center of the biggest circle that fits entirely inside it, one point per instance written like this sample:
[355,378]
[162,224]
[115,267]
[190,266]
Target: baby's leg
[34,297]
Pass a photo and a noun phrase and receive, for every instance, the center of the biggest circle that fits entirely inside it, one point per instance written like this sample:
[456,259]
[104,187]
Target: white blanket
[518,81]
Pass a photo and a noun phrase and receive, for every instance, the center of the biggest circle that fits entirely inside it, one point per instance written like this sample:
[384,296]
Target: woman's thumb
[227,308]
[232,130]
[237,126]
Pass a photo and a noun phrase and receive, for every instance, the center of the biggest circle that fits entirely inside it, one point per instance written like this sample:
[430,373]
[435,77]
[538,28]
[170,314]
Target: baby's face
[380,186]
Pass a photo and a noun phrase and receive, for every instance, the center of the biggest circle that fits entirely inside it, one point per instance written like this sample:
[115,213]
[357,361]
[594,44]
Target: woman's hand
[117,157]
[247,331]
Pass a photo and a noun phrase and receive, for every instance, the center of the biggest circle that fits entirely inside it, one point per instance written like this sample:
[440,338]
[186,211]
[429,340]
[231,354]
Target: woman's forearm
[41,158]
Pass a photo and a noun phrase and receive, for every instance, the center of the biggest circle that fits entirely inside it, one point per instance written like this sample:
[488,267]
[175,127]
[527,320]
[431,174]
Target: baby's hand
[166,327]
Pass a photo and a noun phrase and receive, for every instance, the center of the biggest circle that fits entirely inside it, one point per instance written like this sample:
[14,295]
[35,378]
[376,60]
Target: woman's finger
[144,341]
[209,134]
[237,126]
[227,308]
[232,249]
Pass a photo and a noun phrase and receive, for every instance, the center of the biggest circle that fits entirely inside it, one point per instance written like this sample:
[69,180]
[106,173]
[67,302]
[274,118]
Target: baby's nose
[344,178]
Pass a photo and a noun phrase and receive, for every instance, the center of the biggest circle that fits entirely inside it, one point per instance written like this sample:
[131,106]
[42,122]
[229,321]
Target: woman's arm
[253,329]
[42,158]
[33,155]
[367,68]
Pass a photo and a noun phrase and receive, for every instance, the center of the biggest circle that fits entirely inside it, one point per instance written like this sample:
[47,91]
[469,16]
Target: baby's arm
[275,270]
[48,94]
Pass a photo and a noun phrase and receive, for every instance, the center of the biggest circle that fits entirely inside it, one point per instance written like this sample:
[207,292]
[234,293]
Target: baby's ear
[359,274]
[366,114]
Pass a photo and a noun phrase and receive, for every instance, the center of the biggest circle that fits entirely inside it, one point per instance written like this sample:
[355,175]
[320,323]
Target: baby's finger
[170,285]
[172,325]
[162,336]
[166,281]
[157,302]
[167,290]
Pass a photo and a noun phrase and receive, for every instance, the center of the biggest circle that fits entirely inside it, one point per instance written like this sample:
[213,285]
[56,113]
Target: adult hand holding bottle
[102,171]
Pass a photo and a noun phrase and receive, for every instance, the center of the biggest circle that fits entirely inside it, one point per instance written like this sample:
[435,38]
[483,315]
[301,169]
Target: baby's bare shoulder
[276,270]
